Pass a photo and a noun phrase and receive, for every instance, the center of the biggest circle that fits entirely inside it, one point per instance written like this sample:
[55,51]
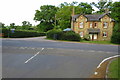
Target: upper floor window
[95,25]
[91,25]
[105,25]
[104,34]
[81,24]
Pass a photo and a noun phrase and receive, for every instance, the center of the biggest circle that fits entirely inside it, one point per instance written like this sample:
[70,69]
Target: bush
[22,34]
[54,34]
[115,38]
[116,34]
[60,35]
[4,31]
[86,37]
[70,36]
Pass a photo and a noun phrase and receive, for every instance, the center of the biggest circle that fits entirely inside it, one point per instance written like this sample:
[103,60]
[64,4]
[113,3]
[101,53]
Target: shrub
[60,35]
[70,36]
[116,34]
[4,31]
[54,34]
[86,37]
[22,34]
[115,38]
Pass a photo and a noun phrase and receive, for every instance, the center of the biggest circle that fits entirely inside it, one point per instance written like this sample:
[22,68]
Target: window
[81,34]
[95,25]
[104,34]
[81,24]
[105,24]
[91,25]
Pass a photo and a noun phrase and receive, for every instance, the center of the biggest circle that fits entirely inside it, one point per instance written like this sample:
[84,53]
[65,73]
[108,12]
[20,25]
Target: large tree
[2,25]
[115,13]
[85,8]
[102,5]
[46,16]
[64,13]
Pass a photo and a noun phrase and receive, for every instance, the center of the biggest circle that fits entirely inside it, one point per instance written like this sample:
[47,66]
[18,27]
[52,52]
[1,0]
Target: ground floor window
[81,34]
[104,34]
[93,36]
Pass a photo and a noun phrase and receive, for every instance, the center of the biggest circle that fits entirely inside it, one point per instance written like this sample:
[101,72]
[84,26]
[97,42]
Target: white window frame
[81,34]
[81,25]
[90,24]
[104,34]
[105,24]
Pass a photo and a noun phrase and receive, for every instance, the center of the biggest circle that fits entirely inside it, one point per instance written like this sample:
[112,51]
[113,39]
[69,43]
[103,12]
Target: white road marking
[33,56]
[96,73]
[107,59]
[21,47]
[100,51]
[50,48]
[91,51]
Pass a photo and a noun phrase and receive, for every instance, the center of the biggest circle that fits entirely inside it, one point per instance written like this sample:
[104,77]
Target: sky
[17,11]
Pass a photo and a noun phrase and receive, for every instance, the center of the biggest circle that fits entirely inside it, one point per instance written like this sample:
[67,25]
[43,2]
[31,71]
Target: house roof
[91,17]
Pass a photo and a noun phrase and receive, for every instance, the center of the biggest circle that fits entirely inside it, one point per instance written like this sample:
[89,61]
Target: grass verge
[98,42]
[114,69]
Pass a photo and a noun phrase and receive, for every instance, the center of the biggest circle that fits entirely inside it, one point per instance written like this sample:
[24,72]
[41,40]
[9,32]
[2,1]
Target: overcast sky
[16,11]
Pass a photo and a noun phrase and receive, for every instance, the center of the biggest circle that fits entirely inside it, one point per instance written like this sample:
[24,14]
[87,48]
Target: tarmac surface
[40,58]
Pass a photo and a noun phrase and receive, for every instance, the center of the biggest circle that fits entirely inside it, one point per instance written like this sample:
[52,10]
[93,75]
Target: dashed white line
[33,56]
[91,51]
[50,48]
[22,48]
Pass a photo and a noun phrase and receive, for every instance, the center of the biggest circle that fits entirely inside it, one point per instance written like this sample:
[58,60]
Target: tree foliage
[46,16]
[65,12]
[102,5]
[115,11]
[26,25]
[2,25]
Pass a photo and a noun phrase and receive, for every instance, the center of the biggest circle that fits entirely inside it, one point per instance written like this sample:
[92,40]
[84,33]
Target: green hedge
[116,34]
[61,35]
[22,34]
[115,38]
[71,36]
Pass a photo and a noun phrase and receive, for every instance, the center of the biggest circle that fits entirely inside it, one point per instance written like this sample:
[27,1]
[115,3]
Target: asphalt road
[39,58]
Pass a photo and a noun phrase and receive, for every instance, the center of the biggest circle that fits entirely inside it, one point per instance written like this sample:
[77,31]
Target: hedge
[70,36]
[54,34]
[21,34]
[116,34]
[61,35]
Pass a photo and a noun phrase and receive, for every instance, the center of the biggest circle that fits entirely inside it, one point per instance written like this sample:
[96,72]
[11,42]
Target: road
[39,58]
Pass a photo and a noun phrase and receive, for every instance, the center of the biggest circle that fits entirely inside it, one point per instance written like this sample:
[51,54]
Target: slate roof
[91,17]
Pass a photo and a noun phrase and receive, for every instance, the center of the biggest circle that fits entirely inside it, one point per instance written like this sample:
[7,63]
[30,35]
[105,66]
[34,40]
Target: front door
[93,36]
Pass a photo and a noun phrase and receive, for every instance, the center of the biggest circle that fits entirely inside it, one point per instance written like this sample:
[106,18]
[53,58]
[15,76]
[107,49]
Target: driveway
[40,58]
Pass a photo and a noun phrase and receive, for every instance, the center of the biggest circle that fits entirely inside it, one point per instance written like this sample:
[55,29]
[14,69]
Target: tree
[12,25]
[64,13]
[85,8]
[102,5]
[115,10]
[2,25]
[26,25]
[46,16]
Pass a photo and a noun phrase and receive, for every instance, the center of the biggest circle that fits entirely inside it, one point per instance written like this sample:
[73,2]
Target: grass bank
[114,69]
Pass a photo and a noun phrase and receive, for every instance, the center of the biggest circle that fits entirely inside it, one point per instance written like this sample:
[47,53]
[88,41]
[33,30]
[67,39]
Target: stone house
[98,27]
